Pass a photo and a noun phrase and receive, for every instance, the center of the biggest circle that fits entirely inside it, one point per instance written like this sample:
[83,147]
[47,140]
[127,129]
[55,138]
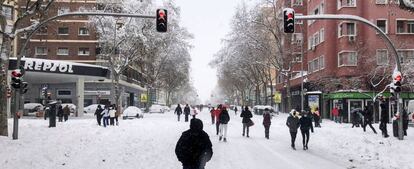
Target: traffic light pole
[16,96]
[383,35]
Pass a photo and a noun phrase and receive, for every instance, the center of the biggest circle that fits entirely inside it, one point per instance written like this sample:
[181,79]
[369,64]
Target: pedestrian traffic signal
[289,20]
[23,87]
[161,20]
[16,78]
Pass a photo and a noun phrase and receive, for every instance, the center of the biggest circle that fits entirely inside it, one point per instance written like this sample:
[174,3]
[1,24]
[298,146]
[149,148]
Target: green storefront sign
[357,95]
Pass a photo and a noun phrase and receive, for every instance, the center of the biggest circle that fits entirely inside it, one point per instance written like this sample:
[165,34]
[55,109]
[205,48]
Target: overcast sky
[209,22]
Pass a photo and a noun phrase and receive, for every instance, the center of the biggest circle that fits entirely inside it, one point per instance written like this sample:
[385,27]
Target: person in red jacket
[335,114]
[217,114]
[267,121]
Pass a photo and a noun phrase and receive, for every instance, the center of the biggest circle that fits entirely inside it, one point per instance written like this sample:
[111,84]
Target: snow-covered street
[149,143]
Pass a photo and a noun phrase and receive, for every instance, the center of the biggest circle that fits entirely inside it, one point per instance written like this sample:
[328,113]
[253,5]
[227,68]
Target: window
[83,31]
[279,79]
[63,31]
[410,27]
[382,24]
[322,35]
[347,29]
[297,57]
[381,2]
[406,55]
[310,39]
[297,2]
[41,51]
[64,93]
[83,52]
[316,39]
[297,38]
[346,3]
[348,58]
[404,26]
[63,10]
[7,12]
[317,11]
[42,30]
[400,26]
[382,57]
[63,51]
[321,62]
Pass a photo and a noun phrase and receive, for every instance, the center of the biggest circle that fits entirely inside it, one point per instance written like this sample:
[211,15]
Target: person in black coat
[305,123]
[178,111]
[186,112]
[224,118]
[384,119]
[246,115]
[98,114]
[368,118]
[293,123]
[60,114]
[194,148]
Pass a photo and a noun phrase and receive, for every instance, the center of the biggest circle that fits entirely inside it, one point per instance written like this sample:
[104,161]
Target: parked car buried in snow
[132,112]
[155,108]
[35,109]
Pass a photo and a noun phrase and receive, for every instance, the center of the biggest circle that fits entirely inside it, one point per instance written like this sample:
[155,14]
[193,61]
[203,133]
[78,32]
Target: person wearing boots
[292,123]
[305,123]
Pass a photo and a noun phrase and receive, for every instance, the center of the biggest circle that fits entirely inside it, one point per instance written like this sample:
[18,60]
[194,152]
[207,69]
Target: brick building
[341,56]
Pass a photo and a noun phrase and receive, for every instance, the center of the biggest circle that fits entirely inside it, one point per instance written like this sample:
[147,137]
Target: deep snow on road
[149,143]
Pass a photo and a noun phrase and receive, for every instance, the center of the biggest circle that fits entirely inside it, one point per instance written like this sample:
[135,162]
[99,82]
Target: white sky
[209,22]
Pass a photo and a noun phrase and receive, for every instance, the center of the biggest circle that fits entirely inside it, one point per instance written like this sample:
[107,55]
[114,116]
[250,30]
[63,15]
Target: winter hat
[292,112]
[196,124]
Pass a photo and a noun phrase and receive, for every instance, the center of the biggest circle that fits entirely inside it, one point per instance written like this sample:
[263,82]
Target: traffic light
[16,78]
[23,87]
[161,20]
[289,20]
[395,86]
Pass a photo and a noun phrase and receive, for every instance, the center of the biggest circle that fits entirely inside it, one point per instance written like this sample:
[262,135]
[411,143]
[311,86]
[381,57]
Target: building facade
[342,57]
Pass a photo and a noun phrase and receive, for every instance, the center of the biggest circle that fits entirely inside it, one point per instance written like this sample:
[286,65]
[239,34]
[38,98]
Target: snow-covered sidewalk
[149,143]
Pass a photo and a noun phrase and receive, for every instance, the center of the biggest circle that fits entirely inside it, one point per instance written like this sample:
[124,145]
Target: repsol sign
[37,65]
[60,67]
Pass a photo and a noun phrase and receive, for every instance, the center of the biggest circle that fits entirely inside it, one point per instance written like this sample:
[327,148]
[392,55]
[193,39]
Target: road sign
[278,97]
[144,98]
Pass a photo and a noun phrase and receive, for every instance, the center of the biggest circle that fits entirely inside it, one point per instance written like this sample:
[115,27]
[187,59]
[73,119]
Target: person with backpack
[186,112]
[246,114]
[194,148]
[292,123]
[305,123]
[224,119]
[178,111]
[267,121]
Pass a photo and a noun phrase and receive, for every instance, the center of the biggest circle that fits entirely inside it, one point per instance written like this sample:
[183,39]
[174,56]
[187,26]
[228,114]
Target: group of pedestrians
[107,116]
[63,113]
[304,122]
[187,112]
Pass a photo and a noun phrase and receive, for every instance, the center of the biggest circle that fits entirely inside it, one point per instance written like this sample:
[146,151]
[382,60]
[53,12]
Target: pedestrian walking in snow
[217,114]
[368,118]
[105,114]
[305,123]
[212,115]
[356,120]
[186,112]
[335,114]
[405,122]
[194,112]
[317,117]
[267,121]
[117,114]
[293,123]
[66,113]
[194,148]
[235,110]
[112,115]
[384,118]
[178,111]
[224,119]
[60,114]
[246,114]
[98,114]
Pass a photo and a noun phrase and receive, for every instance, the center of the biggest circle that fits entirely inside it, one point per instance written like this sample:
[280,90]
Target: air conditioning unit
[351,38]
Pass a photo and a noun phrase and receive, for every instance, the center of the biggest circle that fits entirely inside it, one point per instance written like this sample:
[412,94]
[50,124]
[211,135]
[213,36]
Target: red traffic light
[161,13]
[398,77]
[161,21]
[16,73]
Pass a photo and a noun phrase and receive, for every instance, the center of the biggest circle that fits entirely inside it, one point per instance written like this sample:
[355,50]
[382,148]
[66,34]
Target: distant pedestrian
[368,118]
[98,114]
[60,114]
[186,112]
[212,115]
[66,113]
[317,117]
[293,123]
[117,114]
[112,115]
[217,114]
[194,148]
[305,124]
[105,114]
[356,117]
[246,114]
[384,118]
[335,114]
[224,119]
[235,110]
[267,121]
[194,112]
[178,111]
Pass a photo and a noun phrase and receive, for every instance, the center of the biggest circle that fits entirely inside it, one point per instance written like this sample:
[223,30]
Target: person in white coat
[112,112]
[105,114]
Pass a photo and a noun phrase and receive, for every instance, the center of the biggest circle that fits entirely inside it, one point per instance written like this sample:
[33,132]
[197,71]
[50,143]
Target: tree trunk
[3,88]
[265,94]
[289,97]
[258,95]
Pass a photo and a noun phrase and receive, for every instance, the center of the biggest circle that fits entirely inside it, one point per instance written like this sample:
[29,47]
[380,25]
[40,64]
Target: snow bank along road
[149,143]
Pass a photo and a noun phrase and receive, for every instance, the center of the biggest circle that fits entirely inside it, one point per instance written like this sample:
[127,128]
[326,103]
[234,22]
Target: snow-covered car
[166,108]
[258,109]
[72,107]
[132,112]
[92,108]
[155,108]
[32,108]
